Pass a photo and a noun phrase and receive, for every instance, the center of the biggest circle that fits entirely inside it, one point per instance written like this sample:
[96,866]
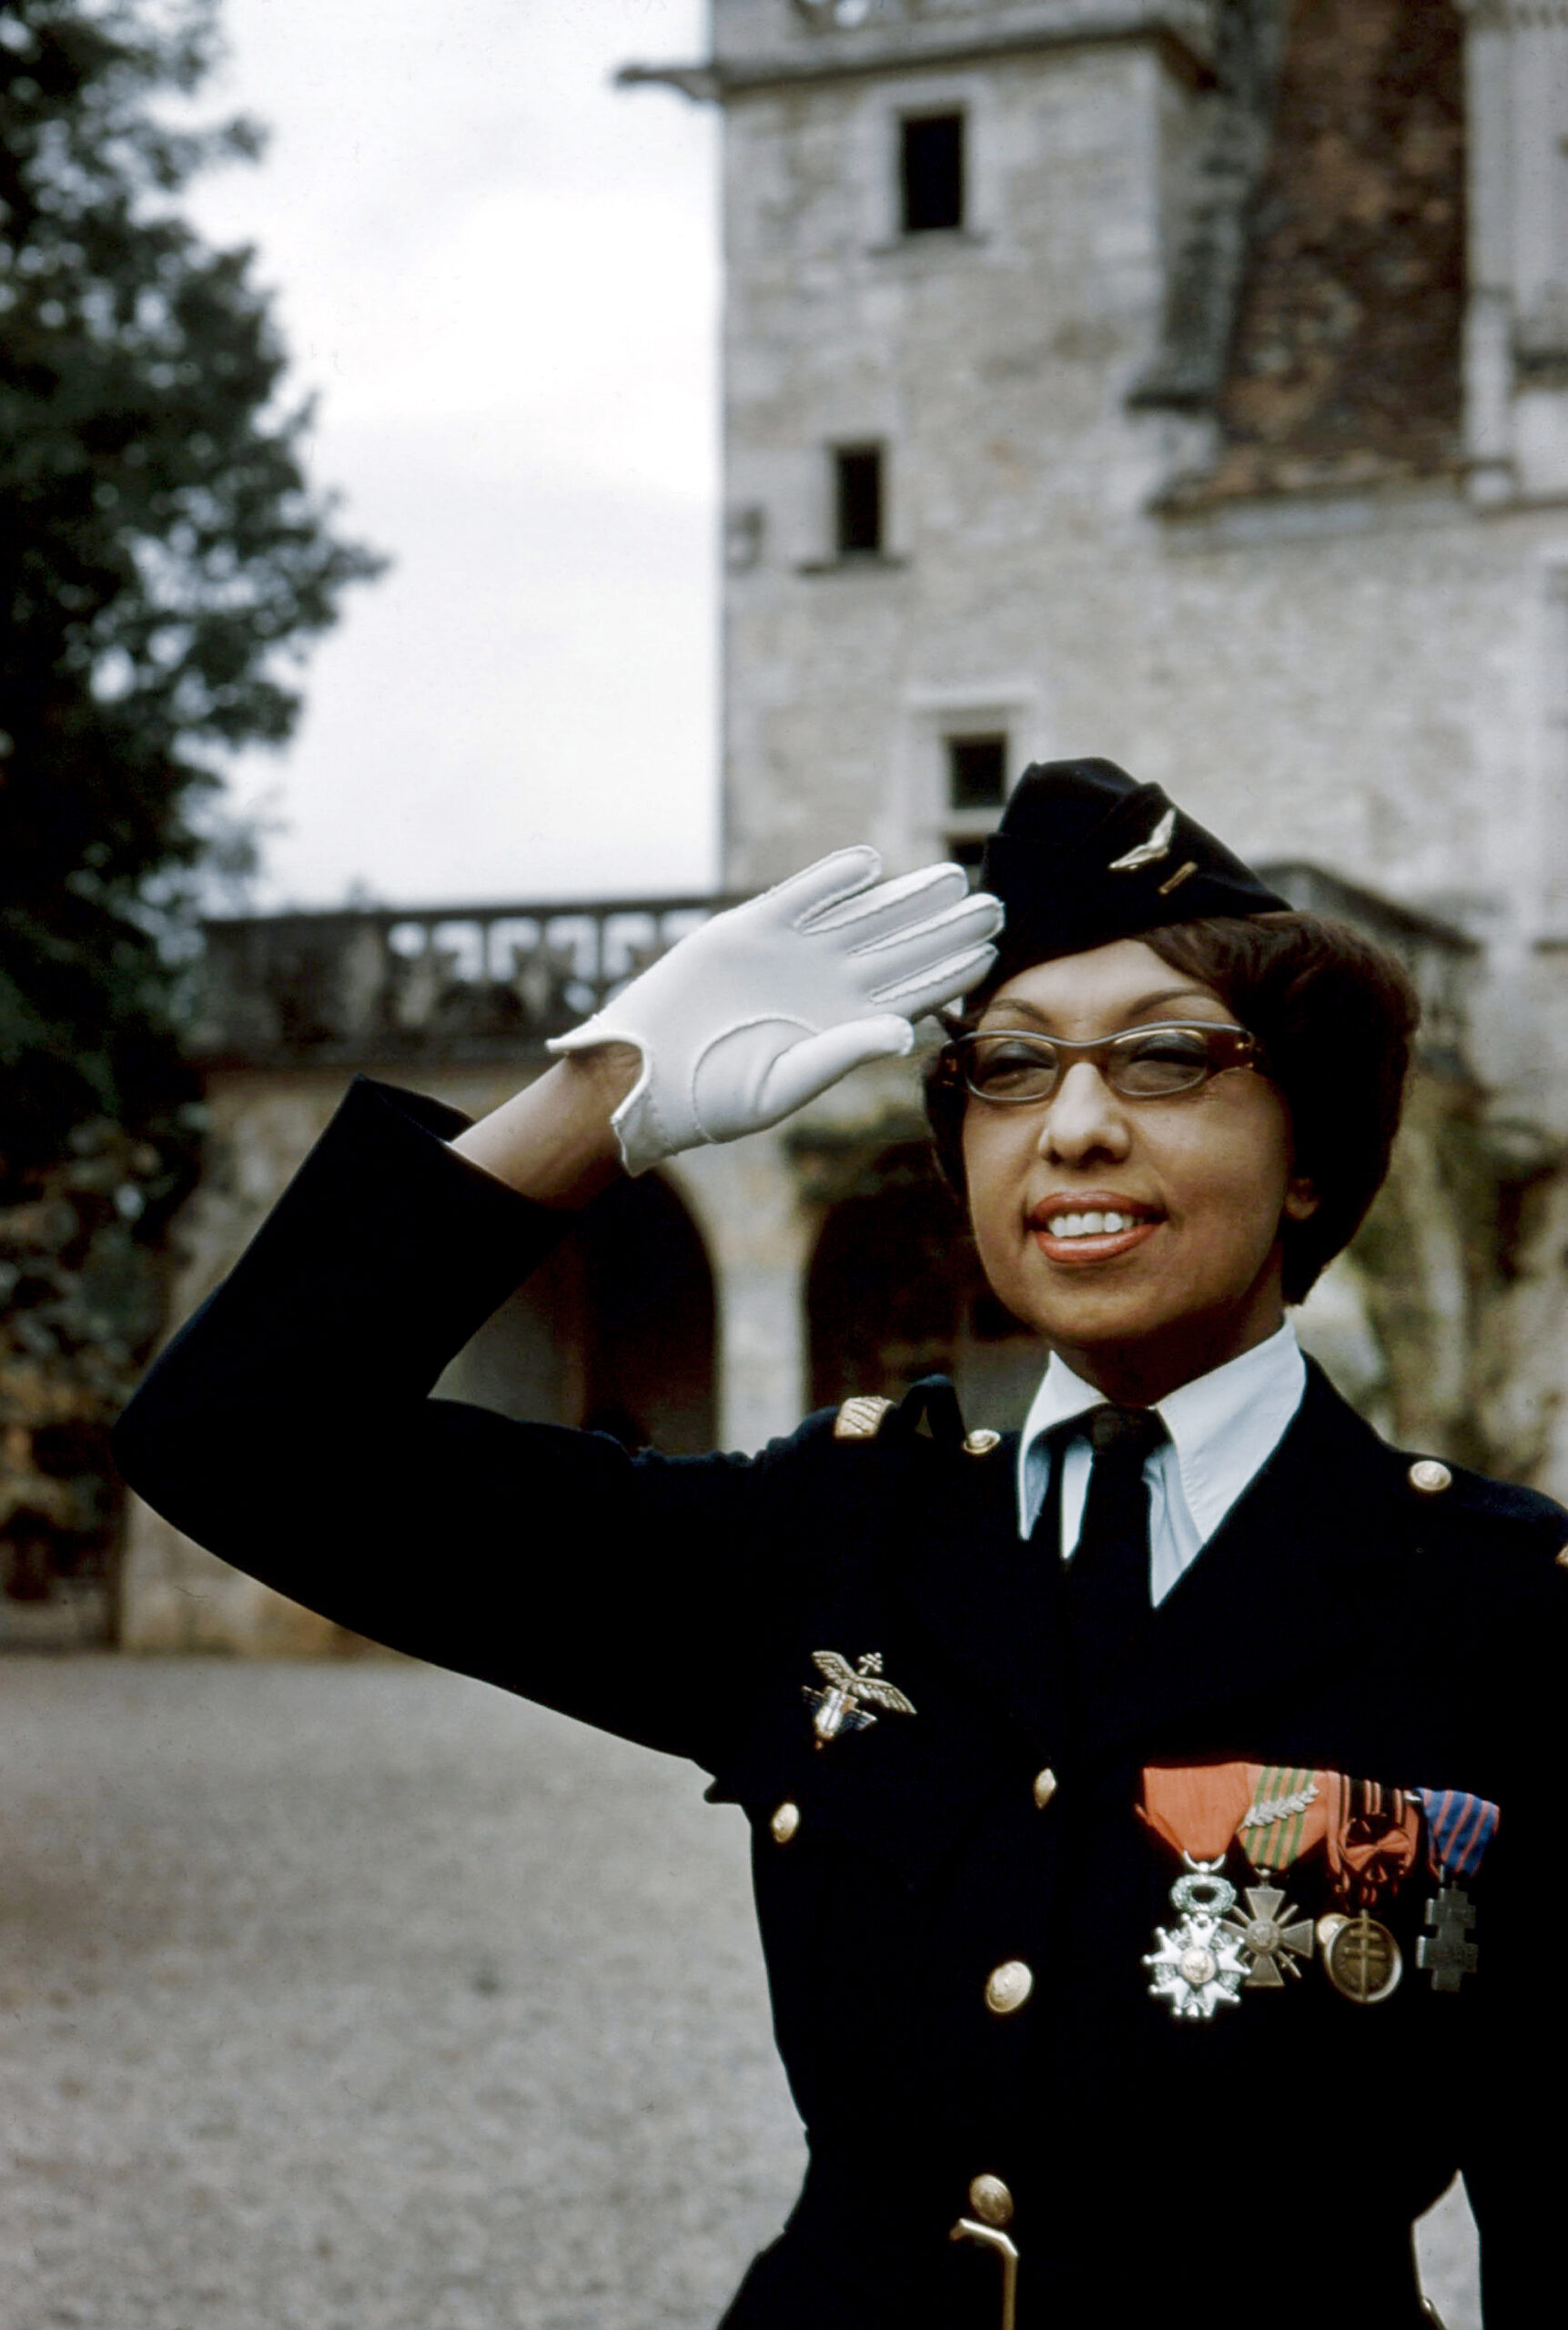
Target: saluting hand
[766,1006]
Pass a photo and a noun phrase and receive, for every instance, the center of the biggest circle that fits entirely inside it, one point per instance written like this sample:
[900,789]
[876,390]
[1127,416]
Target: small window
[858,488]
[976,772]
[931,172]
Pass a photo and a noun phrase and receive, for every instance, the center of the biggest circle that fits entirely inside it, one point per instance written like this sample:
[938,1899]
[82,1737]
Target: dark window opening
[976,772]
[858,469]
[931,172]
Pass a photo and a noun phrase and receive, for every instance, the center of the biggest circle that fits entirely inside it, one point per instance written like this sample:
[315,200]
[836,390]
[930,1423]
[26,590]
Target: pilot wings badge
[1150,852]
[852,1692]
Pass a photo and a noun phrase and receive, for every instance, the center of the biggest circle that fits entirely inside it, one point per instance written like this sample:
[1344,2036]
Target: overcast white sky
[501,276]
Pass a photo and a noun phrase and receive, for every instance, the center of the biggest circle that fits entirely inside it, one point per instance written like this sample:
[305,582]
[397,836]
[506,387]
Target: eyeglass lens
[1147,1064]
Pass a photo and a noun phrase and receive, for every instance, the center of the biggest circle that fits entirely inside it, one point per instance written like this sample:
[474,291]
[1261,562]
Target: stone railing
[355,985]
[382,983]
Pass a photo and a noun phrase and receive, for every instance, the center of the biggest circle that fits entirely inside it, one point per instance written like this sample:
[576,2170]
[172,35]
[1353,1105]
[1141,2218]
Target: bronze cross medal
[1272,1935]
[1448,1950]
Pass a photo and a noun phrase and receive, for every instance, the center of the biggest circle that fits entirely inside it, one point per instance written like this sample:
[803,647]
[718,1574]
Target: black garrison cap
[1084,855]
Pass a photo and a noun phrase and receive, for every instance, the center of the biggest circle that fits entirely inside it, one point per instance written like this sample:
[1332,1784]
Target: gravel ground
[356,1997]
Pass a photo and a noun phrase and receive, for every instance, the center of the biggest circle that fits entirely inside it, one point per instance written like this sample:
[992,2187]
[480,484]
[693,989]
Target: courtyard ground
[353,1996]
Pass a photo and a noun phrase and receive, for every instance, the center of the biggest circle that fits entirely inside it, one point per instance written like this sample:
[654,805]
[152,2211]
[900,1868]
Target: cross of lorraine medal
[1448,1951]
[852,1692]
[1360,1958]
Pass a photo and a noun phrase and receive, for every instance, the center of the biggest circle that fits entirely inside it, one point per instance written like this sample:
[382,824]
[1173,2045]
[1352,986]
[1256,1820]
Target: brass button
[784,1823]
[990,2201]
[1045,1787]
[1008,1986]
[1429,1478]
[981,1441]
[1562,1558]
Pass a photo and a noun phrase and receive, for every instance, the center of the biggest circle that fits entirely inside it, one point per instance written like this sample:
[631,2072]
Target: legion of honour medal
[1459,1828]
[851,1692]
[1198,1963]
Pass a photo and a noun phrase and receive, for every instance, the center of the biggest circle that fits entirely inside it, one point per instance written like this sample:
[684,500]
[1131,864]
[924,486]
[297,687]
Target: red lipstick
[1083,1246]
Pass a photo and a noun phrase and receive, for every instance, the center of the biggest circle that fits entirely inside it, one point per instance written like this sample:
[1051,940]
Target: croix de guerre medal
[1287,1816]
[851,1694]
[1196,1964]
[1459,1828]
[1372,1836]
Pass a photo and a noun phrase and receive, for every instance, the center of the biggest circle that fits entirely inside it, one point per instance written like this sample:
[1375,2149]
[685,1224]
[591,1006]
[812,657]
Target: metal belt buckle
[987,2236]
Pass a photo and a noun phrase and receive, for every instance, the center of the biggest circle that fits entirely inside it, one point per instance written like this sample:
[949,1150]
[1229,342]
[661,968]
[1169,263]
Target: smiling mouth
[1091,1233]
[1094,1225]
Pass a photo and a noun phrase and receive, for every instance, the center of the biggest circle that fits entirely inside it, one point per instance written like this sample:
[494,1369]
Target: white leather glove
[764,1007]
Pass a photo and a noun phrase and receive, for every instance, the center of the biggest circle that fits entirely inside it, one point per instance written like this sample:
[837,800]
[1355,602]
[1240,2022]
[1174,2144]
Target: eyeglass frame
[1097,1051]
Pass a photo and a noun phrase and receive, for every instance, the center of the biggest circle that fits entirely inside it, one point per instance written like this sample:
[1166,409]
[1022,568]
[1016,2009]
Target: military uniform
[957,1899]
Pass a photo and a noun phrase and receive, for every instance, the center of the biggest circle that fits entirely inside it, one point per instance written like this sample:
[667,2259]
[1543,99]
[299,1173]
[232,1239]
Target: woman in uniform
[1155,1813]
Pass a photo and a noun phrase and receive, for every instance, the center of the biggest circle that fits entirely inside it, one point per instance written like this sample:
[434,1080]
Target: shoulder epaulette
[929,1411]
[861,1419]
[1475,1496]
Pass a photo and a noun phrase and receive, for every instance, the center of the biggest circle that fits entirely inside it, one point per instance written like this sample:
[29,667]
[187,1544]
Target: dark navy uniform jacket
[1260,2168]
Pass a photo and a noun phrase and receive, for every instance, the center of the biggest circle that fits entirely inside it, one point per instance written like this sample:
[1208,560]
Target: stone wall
[1372,676]
[754,1234]
[1202,450]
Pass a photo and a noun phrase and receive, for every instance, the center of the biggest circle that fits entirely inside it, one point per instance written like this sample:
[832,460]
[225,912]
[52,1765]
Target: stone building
[1184,380]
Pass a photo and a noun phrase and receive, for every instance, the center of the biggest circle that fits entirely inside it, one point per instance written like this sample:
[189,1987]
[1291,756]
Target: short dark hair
[1335,1016]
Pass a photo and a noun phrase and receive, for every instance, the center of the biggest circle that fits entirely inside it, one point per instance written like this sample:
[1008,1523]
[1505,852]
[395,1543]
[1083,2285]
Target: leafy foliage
[163,562]
[160,551]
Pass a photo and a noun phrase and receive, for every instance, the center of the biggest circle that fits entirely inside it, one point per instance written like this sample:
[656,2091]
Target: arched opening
[616,1331]
[896,1291]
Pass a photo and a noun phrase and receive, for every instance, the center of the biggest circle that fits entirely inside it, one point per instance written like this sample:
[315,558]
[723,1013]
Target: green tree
[163,562]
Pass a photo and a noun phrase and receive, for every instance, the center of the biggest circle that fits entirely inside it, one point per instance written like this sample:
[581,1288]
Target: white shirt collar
[1224,1426]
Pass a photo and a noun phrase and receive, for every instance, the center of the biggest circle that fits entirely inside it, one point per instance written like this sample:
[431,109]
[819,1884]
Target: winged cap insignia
[1150,852]
[852,1692]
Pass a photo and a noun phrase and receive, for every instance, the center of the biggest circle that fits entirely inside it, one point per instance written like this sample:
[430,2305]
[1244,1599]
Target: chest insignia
[1272,1936]
[851,1694]
[1357,1841]
[1459,1828]
[1198,1965]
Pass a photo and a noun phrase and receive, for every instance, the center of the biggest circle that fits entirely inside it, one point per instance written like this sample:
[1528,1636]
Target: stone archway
[895,1292]
[616,1332]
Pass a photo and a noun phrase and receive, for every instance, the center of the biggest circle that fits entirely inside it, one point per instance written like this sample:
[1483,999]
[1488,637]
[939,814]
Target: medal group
[1218,1946]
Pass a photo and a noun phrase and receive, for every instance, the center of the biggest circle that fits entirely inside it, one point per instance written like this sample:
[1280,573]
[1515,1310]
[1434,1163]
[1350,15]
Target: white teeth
[1089,1225]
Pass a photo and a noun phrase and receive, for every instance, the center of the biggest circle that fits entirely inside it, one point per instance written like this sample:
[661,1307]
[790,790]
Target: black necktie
[1108,1580]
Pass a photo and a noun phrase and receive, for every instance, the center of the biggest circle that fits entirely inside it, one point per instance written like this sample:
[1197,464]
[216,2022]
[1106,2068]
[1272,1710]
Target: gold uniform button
[1562,1559]
[1008,1986]
[1045,1787]
[981,1441]
[1429,1478]
[990,2201]
[784,1823]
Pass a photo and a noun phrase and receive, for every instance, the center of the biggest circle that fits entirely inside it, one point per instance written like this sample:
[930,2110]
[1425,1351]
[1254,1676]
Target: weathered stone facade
[1208,408]
[1224,432]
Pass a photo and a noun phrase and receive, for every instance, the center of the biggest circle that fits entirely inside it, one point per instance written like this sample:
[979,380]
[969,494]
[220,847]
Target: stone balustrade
[346,986]
[341,986]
